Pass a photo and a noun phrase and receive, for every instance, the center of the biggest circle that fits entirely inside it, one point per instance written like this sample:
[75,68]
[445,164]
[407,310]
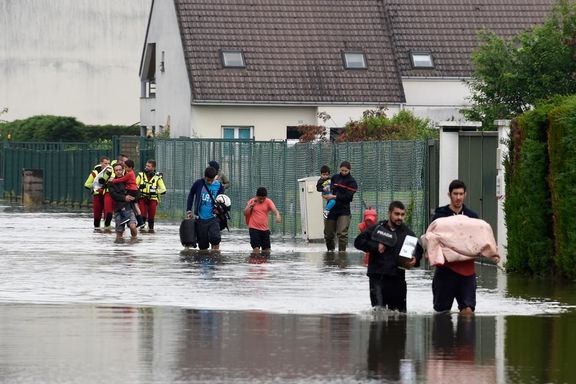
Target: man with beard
[151,187]
[383,241]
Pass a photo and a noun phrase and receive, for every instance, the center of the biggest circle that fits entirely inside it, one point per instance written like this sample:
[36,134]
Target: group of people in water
[390,246]
[117,192]
[385,241]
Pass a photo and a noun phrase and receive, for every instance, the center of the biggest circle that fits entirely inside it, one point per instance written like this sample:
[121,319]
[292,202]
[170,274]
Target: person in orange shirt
[256,214]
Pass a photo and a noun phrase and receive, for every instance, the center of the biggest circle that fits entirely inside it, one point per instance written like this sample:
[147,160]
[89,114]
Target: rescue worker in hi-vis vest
[151,187]
[101,200]
[96,183]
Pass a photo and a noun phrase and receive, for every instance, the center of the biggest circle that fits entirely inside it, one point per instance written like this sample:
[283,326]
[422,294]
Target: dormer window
[421,60]
[232,58]
[354,60]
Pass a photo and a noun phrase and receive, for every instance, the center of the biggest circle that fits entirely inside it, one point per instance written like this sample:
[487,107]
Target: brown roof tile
[292,50]
[448,29]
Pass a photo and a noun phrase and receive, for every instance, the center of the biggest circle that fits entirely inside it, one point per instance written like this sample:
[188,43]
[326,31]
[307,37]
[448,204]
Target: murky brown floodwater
[76,307]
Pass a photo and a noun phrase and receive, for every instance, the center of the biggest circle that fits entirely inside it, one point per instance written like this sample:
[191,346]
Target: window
[243,133]
[232,58]
[421,60]
[354,60]
[148,75]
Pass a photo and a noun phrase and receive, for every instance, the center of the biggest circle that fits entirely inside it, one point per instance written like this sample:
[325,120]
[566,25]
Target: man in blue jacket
[201,205]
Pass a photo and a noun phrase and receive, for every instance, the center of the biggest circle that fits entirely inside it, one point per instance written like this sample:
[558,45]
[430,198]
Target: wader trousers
[337,228]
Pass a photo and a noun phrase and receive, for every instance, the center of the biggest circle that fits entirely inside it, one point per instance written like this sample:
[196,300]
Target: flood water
[78,307]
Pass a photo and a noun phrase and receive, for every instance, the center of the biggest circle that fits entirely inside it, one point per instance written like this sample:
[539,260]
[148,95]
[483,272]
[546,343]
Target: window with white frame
[354,60]
[232,58]
[421,60]
[237,132]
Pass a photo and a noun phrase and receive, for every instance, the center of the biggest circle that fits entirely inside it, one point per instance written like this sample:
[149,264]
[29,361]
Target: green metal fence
[65,166]
[385,171]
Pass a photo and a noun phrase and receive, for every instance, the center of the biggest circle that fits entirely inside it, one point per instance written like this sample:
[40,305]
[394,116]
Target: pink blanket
[459,238]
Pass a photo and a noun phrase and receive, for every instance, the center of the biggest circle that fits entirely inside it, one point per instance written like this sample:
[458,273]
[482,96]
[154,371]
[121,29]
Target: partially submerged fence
[385,171]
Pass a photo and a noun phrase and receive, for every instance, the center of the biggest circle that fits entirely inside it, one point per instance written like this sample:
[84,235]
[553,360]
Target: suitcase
[188,233]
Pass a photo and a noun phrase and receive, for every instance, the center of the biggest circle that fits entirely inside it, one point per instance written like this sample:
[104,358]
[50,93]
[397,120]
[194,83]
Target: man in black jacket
[338,221]
[123,206]
[387,279]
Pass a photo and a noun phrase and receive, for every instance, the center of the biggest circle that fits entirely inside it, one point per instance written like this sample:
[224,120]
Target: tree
[511,76]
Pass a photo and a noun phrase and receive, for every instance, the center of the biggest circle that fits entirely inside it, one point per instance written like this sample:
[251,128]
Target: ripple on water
[56,257]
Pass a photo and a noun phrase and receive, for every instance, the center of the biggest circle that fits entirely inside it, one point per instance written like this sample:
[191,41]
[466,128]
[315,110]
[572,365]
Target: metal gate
[477,167]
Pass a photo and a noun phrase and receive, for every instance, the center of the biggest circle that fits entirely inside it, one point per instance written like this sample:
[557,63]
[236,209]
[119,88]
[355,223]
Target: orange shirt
[259,216]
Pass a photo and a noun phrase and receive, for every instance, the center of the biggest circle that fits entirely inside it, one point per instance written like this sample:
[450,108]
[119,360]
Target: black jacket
[118,194]
[445,211]
[384,263]
[344,187]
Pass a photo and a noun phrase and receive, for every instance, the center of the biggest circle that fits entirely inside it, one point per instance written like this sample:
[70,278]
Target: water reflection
[156,314]
[71,343]
[386,348]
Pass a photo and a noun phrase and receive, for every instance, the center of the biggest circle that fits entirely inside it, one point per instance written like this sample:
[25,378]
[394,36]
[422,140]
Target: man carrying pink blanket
[453,251]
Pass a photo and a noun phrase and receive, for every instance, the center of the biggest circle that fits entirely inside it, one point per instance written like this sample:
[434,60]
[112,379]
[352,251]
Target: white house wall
[269,122]
[75,58]
[340,115]
[172,86]
[437,99]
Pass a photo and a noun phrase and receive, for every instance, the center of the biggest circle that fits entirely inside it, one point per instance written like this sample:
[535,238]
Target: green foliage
[510,77]
[527,206]
[376,126]
[106,132]
[45,128]
[562,182]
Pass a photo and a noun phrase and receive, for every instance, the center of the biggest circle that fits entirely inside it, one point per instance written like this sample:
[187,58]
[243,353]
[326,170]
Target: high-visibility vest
[151,188]
[92,176]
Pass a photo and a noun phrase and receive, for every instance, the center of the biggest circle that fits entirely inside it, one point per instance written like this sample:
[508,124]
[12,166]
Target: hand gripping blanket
[459,238]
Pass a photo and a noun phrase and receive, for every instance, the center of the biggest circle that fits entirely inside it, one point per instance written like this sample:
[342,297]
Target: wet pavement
[78,307]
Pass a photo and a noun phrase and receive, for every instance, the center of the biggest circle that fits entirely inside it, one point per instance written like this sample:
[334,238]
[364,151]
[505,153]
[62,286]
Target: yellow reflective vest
[151,187]
[92,176]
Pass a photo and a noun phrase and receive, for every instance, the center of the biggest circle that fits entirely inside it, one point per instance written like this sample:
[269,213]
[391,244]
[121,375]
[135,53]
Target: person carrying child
[131,187]
[324,184]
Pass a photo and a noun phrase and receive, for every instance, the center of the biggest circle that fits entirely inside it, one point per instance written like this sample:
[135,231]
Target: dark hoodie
[384,263]
[344,188]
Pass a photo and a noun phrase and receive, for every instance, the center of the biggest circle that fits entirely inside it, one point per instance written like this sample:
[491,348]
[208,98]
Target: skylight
[354,60]
[421,60]
[232,58]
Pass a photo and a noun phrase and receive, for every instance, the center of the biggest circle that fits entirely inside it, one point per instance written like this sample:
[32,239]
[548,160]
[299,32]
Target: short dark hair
[345,164]
[129,163]
[122,155]
[262,192]
[153,162]
[214,164]
[102,158]
[325,169]
[456,184]
[396,204]
[210,172]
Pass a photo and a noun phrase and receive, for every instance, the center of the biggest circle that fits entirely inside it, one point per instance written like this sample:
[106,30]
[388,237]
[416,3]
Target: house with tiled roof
[260,68]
